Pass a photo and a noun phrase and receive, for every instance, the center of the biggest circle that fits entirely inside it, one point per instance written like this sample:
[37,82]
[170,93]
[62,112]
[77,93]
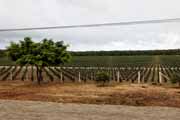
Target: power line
[96,25]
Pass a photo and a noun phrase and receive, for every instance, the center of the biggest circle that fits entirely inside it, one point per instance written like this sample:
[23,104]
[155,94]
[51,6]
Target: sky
[43,13]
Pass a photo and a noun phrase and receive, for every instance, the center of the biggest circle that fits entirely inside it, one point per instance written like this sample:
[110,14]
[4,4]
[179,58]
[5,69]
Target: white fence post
[160,77]
[139,77]
[11,75]
[61,77]
[79,77]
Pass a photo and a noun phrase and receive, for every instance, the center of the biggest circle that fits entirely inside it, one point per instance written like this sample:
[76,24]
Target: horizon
[118,50]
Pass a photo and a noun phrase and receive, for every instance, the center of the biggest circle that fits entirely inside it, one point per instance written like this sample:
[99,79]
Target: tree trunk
[39,74]
[32,75]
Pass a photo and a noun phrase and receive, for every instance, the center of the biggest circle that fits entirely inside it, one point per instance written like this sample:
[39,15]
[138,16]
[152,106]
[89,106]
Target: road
[28,110]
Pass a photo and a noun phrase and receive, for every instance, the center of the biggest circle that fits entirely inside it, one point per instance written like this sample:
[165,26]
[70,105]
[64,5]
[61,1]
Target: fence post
[160,77]
[11,75]
[139,77]
[61,77]
[79,80]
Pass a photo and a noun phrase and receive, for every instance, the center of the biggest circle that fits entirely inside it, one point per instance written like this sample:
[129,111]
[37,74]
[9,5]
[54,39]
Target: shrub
[102,78]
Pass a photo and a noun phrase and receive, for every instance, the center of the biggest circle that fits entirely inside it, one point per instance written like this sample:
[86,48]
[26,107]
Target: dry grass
[137,95]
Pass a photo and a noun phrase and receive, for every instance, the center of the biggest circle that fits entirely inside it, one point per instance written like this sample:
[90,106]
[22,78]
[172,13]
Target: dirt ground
[134,95]
[29,110]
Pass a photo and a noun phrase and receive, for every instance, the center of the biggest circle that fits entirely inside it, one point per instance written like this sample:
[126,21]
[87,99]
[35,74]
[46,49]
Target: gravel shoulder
[29,110]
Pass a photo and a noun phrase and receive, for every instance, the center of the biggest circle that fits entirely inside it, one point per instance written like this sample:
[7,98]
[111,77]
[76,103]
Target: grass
[132,94]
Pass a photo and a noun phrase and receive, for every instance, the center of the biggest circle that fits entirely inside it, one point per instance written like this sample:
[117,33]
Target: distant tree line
[126,53]
[118,53]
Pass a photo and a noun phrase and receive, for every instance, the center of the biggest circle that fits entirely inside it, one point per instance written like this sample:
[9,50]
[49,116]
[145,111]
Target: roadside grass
[120,94]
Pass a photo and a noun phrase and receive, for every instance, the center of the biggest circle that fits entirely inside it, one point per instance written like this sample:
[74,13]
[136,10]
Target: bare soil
[133,94]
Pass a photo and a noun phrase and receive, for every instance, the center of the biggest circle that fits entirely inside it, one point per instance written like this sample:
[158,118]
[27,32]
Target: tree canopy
[39,54]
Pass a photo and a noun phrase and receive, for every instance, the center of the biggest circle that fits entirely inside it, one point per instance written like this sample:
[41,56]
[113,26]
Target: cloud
[39,13]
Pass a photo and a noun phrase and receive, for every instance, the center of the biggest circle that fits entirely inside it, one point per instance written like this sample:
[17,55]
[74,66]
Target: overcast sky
[41,13]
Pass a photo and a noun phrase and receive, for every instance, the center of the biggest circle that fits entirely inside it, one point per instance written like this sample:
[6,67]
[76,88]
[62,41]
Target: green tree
[38,54]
